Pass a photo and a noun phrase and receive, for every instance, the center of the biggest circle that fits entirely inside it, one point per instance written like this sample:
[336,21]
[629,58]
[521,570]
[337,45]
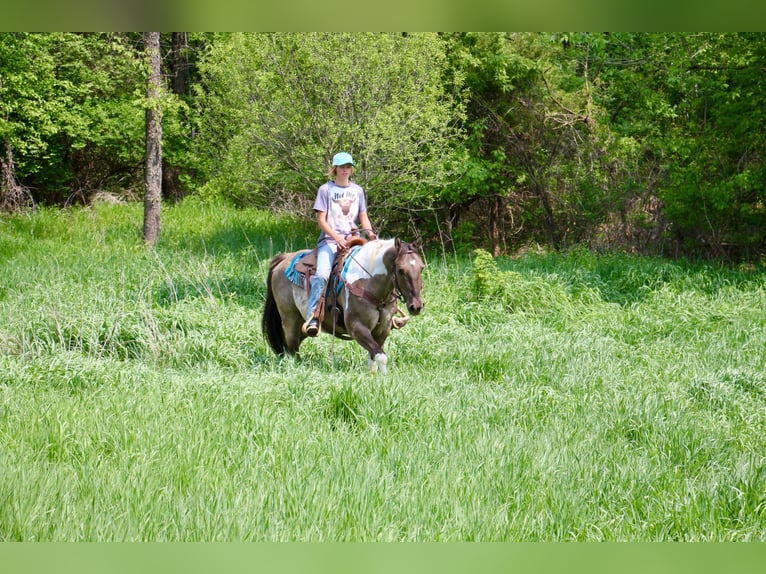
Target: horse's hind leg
[289,313]
[293,335]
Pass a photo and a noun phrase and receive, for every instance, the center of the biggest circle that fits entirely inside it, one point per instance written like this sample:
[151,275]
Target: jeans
[325,258]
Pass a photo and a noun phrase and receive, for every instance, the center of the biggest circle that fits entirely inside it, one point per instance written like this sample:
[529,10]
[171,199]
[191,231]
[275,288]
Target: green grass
[565,396]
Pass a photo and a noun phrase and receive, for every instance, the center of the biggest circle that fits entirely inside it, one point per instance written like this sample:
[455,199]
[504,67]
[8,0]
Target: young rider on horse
[340,207]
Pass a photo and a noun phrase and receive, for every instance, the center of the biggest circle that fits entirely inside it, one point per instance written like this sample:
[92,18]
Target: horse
[361,306]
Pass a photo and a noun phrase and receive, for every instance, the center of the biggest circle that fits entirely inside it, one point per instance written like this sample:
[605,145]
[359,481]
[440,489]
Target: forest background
[649,143]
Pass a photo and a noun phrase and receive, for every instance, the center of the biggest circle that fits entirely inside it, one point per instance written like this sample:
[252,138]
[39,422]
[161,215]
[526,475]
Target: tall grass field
[548,397]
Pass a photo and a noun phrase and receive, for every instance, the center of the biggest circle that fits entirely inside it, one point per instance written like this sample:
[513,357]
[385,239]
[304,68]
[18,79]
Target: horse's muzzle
[415,307]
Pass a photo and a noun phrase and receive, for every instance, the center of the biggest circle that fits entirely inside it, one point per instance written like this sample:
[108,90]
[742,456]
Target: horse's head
[408,275]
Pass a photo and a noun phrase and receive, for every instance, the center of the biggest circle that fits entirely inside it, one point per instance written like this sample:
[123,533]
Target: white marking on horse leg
[372,365]
[381,362]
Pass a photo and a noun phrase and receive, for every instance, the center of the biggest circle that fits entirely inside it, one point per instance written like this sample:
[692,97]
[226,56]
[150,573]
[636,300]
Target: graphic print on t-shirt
[344,208]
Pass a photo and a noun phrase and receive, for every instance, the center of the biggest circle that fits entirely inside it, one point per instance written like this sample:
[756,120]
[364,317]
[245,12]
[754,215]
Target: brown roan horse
[375,275]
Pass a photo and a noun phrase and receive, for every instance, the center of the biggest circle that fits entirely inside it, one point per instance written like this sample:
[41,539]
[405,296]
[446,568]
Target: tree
[636,141]
[27,110]
[67,114]
[276,107]
[72,119]
[715,194]
[534,133]
[67,111]
[694,104]
[153,192]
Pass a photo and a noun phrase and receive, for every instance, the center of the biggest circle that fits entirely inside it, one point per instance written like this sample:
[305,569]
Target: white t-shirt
[342,206]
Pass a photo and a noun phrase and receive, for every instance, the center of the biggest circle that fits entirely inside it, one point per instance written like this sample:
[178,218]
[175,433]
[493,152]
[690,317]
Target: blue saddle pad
[292,273]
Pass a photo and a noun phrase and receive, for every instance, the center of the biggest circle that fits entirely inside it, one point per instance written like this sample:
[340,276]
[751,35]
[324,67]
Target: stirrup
[311,327]
[399,322]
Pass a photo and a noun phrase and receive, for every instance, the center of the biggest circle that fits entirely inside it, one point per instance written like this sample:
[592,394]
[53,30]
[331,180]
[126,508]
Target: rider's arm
[366,225]
[324,226]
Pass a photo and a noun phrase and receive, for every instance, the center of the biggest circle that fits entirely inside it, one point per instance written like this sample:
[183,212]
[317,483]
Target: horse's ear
[397,243]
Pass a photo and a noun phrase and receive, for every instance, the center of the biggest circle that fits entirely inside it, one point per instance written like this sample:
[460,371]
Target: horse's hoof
[399,322]
[379,364]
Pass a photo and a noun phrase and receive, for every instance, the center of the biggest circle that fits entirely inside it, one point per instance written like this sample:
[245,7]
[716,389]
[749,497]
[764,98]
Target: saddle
[303,268]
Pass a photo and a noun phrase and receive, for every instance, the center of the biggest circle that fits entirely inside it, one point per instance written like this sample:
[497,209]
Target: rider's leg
[325,258]
[318,285]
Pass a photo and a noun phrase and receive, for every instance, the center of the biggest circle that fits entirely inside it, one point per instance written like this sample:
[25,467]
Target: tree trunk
[549,222]
[179,67]
[180,63]
[7,180]
[153,174]
[494,225]
[13,196]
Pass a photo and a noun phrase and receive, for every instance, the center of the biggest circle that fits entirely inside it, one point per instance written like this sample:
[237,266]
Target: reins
[397,292]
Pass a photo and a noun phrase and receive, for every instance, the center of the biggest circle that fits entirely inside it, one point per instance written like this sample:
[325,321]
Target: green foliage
[27,110]
[533,294]
[275,107]
[534,133]
[648,141]
[697,102]
[644,142]
[487,279]
[70,114]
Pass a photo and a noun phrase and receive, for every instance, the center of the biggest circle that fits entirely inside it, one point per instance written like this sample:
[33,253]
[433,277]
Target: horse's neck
[369,263]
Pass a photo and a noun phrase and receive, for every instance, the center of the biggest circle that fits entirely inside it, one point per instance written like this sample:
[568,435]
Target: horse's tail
[271,323]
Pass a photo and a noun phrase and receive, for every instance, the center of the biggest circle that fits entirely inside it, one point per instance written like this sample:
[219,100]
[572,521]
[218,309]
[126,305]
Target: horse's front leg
[363,335]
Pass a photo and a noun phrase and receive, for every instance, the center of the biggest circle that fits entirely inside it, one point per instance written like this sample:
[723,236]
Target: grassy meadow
[548,397]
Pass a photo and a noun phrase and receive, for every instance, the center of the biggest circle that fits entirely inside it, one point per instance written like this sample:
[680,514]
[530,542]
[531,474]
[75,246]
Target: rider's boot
[311,326]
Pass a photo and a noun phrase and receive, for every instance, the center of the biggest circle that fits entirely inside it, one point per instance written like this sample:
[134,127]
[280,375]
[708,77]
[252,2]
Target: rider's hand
[341,241]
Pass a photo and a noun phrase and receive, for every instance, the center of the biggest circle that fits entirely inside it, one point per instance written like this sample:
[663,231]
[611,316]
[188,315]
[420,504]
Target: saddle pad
[296,270]
[302,265]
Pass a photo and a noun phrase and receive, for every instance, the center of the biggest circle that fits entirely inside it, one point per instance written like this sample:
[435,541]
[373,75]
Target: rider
[340,206]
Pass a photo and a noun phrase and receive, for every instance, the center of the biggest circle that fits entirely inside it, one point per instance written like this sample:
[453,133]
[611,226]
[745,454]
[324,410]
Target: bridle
[396,294]
[404,249]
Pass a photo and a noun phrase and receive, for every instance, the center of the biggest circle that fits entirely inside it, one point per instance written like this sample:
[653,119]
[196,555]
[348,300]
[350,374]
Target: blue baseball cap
[343,158]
